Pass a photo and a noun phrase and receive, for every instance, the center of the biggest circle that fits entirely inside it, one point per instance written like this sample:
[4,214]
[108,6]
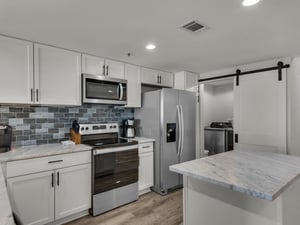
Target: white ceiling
[112,28]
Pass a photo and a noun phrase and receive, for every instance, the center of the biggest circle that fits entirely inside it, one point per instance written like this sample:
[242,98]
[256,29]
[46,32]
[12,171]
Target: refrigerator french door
[168,116]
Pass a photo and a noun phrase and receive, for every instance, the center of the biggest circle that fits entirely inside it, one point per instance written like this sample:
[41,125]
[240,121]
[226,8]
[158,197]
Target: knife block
[75,137]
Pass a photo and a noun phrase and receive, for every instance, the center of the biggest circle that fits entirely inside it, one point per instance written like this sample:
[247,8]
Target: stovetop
[108,143]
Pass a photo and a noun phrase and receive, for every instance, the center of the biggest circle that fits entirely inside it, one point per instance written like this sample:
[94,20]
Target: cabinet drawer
[146,147]
[28,166]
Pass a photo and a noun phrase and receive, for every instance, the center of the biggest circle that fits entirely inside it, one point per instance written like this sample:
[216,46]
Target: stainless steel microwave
[103,90]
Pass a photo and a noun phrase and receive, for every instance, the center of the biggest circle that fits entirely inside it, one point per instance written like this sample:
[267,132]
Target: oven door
[103,90]
[114,169]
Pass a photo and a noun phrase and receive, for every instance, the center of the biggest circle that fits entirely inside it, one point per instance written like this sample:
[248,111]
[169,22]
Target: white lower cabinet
[72,190]
[146,167]
[32,197]
[44,197]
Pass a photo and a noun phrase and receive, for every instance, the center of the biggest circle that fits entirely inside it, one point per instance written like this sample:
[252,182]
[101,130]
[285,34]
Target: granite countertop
[5,209]
[141,140]
[37,151]
[260,174]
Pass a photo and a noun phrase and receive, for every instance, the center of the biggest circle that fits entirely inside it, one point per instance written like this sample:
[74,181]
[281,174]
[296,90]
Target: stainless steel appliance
[115,163]
[5,137]
[218,138]
[128,129]
[103,90]
[168,116]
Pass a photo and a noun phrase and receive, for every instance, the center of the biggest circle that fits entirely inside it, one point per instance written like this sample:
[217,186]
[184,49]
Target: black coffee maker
[5,137]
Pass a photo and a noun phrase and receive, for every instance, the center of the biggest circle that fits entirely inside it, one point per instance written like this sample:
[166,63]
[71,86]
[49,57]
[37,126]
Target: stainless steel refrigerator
[168,116]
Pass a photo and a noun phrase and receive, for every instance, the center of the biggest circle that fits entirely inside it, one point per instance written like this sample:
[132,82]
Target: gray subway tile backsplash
[43,125]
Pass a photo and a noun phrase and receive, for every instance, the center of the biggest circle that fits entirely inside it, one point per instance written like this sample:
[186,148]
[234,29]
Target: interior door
[260,112]
[169,150]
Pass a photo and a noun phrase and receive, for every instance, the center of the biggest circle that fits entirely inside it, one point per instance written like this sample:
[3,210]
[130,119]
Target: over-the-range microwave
[102,89]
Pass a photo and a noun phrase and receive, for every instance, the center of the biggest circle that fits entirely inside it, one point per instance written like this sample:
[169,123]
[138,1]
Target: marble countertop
[260,174]
[141,140]
[5,209]
[37,151]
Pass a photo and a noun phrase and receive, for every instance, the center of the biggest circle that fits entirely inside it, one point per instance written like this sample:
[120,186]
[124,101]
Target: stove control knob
[115,126]
[111,127]
[82,128]
[87,128]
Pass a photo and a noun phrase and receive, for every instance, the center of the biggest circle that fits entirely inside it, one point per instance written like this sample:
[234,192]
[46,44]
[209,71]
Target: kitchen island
[241,188]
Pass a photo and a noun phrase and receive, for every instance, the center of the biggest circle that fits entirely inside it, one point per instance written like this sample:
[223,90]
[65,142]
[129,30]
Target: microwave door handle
[121,91]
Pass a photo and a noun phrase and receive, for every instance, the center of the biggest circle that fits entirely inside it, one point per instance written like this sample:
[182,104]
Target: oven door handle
[114,149]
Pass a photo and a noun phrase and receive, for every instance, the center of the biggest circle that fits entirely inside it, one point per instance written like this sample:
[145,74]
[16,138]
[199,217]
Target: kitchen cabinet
[16,80]
[134,93]
[32,197]
[146,167]
[55,187]
[157,78]
[99,66]
[185,80]
[57,76]
[72,190]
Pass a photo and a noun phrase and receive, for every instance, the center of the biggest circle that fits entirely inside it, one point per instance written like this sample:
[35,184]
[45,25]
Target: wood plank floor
[150,209]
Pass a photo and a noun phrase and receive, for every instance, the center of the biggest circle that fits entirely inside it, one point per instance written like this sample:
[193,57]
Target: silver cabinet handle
[146,147]
[121,91]
[107,70]
[103,69]
[160,79]
[31,92]
[55,161]
[157,79]
[52,180]
[37,95]
[57,178]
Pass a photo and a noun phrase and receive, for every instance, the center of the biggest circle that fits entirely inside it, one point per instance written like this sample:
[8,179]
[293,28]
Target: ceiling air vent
[193,26]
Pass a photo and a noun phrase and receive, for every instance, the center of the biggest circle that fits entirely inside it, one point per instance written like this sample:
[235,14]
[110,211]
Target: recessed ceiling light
[250,2]
[150,47]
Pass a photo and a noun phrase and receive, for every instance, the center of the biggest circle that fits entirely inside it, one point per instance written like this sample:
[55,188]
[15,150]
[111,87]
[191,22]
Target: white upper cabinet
[99,66]
[158,78]
[166,79]
[149,76]
[92,65]
[115,69]
[185,80]
[57,76]
[133,77]
[16,79]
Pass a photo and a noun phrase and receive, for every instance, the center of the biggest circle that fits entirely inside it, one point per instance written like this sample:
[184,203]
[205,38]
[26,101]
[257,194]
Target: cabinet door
[260,112]
[57,76]
[166,79]
[16,80]
[149,76]
[146,171]
[32,197]
[72,190]
[191,80]
[92,65]
[115,69]
[133,77]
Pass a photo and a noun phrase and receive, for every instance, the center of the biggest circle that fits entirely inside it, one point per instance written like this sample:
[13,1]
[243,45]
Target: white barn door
[260,112]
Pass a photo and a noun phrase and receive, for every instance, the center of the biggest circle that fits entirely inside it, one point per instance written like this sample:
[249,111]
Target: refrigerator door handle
[179,130]
[182,129]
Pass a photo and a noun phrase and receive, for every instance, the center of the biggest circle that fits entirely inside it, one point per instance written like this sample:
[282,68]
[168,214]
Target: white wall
[218,103]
